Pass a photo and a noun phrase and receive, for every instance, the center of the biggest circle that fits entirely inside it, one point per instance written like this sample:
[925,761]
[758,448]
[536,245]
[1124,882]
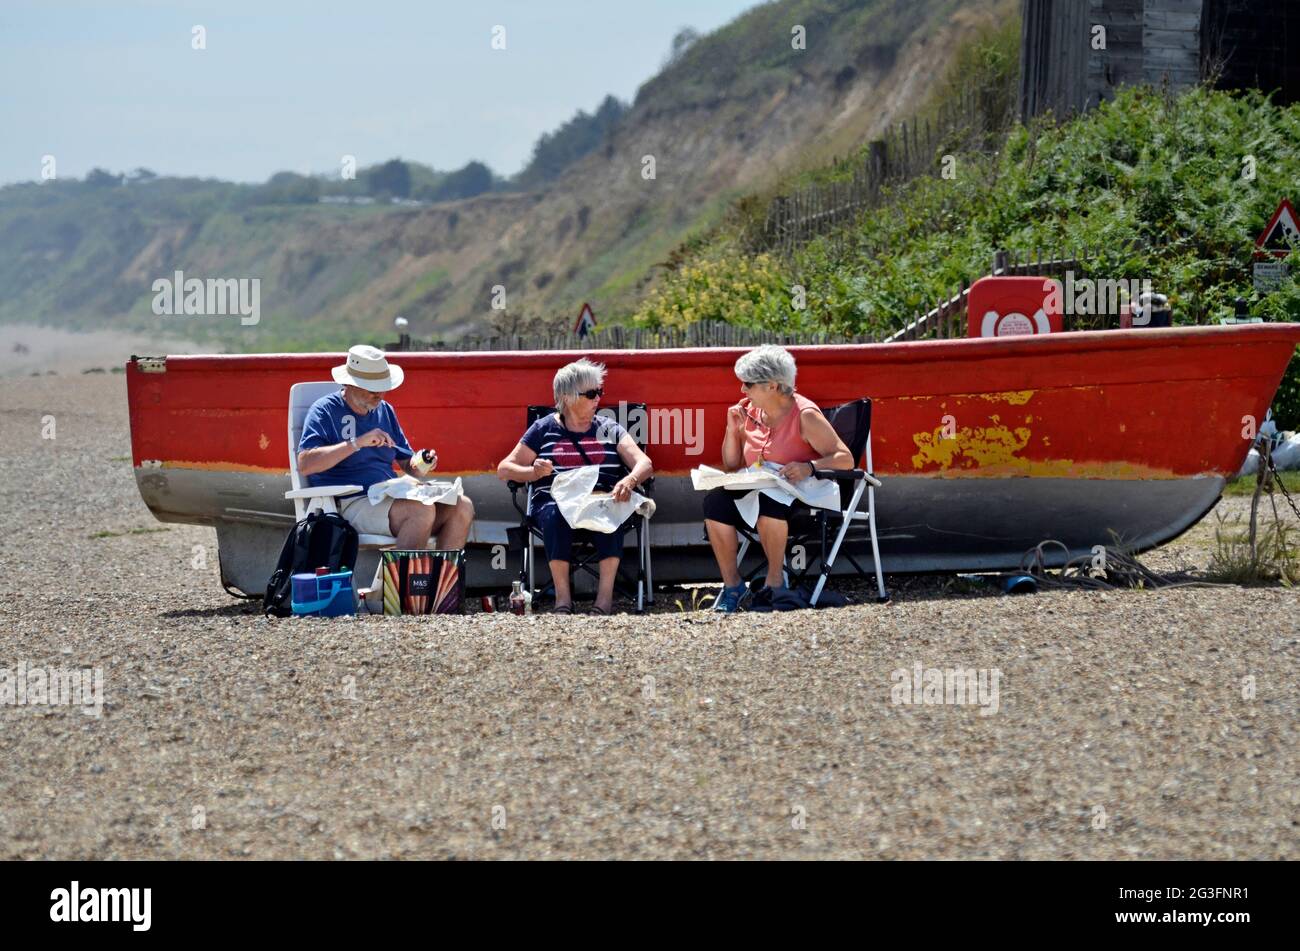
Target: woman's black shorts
[720,505]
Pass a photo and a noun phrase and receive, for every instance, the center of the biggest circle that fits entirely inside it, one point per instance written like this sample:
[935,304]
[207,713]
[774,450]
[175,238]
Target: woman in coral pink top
[772,424]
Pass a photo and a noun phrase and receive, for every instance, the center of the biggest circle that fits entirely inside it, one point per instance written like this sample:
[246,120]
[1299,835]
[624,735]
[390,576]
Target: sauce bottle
[423,461]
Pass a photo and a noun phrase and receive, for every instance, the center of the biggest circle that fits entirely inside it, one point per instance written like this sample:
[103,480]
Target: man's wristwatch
[812,470]
[353,441]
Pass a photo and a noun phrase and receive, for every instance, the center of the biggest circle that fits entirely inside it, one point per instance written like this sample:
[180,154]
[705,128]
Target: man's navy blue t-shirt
[325,425]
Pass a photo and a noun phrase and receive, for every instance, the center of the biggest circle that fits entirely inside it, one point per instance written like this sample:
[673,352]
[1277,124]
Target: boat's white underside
[924,523]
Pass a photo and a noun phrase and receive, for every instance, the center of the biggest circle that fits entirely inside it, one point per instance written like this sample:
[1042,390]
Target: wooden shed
[1075,53]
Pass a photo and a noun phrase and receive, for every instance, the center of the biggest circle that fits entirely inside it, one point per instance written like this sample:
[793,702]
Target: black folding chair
[852,423]
[527,537]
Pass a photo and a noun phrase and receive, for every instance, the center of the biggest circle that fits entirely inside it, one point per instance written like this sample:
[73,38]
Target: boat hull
[985,447]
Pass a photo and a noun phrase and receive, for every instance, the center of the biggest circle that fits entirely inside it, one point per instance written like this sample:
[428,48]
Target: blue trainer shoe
[729,599]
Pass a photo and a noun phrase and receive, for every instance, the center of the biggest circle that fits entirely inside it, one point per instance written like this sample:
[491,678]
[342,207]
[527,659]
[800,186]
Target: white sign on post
[1269,275]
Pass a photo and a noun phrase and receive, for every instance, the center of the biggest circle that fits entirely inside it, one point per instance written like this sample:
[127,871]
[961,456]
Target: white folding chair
[308,498]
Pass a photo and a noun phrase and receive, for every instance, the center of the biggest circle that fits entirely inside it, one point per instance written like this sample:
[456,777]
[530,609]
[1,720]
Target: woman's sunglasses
[592,394]
[747,383]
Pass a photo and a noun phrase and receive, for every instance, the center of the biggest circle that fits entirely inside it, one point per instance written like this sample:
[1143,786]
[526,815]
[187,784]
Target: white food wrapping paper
[596,512]
[405,487]
[817,493]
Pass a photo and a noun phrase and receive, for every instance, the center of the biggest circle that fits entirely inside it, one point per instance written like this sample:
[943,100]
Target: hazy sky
[296,84]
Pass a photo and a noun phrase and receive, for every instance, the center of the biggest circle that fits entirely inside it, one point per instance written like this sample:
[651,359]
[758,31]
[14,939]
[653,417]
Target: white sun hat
[368,368]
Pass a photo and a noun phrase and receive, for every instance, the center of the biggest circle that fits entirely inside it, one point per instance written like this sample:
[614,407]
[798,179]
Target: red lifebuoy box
[1013,307]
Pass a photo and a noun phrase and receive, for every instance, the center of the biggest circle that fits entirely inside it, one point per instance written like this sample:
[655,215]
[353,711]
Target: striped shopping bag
[423,582]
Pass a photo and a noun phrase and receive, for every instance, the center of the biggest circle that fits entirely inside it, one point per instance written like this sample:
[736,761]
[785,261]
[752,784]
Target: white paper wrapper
[597,512]
[405,487]
[817,493]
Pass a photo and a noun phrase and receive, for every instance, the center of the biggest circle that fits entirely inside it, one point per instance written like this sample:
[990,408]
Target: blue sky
[296,84]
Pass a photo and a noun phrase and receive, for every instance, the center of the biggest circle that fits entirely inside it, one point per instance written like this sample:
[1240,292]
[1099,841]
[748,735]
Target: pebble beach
[1158,724]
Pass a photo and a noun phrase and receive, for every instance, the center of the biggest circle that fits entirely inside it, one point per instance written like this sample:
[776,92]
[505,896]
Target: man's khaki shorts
[366,518]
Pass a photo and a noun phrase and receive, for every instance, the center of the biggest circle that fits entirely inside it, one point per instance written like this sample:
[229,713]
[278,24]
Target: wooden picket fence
[945,319]
[711,333]
[909,150]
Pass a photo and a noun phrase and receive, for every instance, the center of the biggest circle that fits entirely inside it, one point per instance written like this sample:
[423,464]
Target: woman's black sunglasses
[592,394]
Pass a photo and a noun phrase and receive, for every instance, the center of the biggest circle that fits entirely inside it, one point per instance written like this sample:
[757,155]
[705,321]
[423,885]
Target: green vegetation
[1254,554]
[392,178]
[1154,183]
[337,260]
[556,151]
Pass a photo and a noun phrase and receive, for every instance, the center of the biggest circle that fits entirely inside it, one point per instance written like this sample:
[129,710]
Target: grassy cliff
[734,111]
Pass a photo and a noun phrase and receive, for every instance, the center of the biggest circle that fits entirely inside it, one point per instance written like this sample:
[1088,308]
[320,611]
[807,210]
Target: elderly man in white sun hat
[352,437]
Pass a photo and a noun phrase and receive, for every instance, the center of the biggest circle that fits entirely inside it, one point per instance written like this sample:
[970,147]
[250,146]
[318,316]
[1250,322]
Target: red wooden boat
[985,446]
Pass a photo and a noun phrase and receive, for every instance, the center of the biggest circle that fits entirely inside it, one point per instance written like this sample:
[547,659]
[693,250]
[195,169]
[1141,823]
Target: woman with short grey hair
[770,363]
[573,378]
[571,437]
[771,424]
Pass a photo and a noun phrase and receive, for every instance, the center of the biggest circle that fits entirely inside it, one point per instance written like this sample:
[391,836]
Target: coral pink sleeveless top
[782,444]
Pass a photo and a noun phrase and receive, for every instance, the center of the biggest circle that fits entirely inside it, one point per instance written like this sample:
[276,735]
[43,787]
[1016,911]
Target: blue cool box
[323,595]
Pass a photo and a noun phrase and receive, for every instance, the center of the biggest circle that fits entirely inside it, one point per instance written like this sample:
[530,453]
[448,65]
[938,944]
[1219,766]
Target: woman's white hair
[767,364]
[571,379]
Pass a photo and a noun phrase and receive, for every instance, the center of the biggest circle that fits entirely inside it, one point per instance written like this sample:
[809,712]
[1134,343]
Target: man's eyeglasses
[592,394]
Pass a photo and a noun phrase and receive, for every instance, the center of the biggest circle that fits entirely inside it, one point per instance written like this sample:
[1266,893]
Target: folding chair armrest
[514,488]
[322,491]
[847,475]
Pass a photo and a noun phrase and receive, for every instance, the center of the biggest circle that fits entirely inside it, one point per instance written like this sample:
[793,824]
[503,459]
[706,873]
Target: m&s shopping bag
[423,581]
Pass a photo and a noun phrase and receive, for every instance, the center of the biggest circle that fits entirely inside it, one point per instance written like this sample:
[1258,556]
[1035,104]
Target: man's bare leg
[411,522]
[451,523]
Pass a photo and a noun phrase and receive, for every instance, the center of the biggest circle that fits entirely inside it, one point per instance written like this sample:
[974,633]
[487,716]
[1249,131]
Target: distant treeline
[401,180]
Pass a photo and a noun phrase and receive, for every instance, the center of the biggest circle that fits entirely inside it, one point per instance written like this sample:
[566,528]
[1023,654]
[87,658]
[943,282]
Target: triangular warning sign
[586,321]
[1282,233]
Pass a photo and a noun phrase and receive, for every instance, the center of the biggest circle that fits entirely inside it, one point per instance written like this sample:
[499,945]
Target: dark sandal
[597,609]
[562,609]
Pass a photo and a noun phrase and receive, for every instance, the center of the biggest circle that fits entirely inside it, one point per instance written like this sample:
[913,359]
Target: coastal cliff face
[739,108]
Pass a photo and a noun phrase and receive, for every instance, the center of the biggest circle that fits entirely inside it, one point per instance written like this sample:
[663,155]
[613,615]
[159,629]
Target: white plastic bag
[1286,454]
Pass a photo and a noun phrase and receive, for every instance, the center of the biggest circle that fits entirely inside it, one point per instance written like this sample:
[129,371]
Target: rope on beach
[1118,570]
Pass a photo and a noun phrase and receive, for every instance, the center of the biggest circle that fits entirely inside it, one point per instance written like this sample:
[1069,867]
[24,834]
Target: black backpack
[320,539]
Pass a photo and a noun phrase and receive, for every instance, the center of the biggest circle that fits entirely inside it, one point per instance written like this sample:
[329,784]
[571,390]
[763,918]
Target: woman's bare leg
[605,588]
[723,538]
[560,576]
[773,534]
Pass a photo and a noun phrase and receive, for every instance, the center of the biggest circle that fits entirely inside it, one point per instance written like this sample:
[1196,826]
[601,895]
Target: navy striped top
[550,439]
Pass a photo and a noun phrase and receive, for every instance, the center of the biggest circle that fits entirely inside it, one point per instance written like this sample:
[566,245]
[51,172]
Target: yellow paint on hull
[994,452]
